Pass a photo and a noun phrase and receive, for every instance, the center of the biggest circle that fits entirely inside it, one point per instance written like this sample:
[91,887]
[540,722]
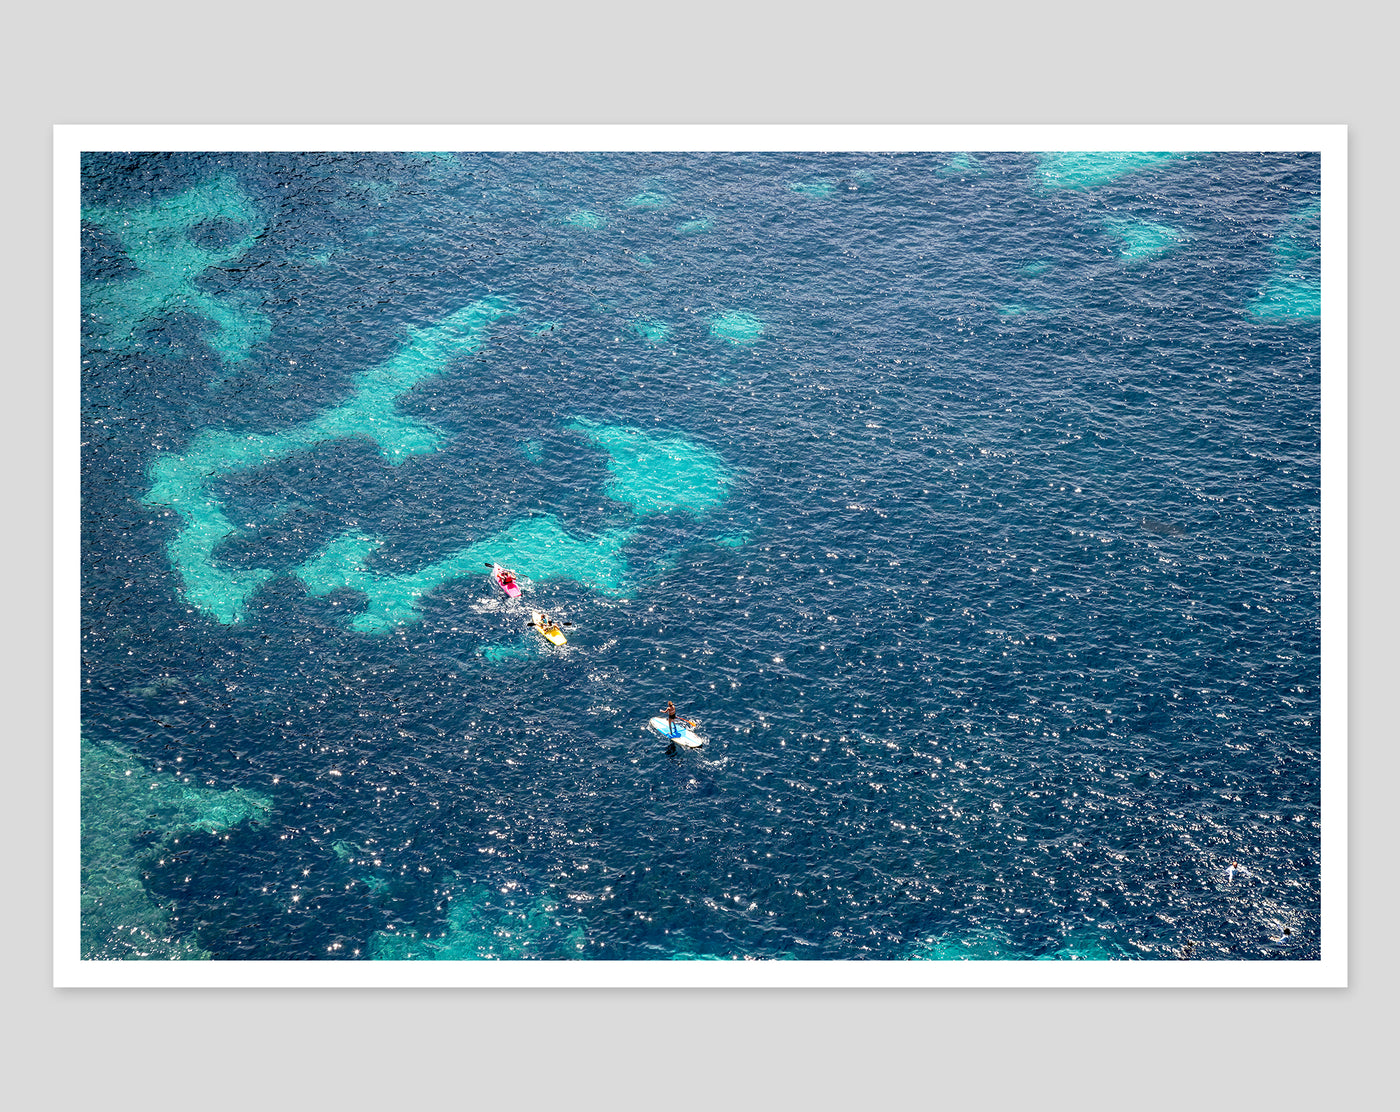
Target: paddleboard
[684,736]
[552,634]
[512,590]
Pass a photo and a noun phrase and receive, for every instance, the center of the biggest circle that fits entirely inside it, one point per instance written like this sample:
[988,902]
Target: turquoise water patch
[818,187]
[732,540]
[179,481]
[1087,948]
[1143,240]
[532,450]
[658,474]
[124,803]
[648,199]
[986,945]
[538,548]
[693,227]
[484,924]
[163,242]
[1014,310]
[546,328]
[1287,296]
[582,218]
[515,650]
[651,474]
[652,331]
[1294,289]
[1089,169]
[1035,268]
[737,328]
[961,164]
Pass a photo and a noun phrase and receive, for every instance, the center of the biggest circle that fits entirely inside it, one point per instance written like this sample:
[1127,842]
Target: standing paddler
[672,717]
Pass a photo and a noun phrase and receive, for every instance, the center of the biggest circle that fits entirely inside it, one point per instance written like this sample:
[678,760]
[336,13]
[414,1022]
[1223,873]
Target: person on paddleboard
[672,717]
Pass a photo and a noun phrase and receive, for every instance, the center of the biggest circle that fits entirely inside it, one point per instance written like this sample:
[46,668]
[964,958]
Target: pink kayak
[505,580]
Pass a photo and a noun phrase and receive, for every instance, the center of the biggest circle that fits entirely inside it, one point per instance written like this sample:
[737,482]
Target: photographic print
[744,556]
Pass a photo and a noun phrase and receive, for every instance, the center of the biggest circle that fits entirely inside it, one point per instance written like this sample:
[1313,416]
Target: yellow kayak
[551,632]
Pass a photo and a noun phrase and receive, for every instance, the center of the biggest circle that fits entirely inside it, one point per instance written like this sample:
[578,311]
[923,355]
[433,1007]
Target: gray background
[260,62]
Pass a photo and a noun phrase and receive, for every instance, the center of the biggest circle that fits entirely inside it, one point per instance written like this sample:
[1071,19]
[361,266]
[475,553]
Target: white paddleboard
[684,734]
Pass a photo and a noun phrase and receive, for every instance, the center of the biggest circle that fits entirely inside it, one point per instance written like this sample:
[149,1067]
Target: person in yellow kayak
[547,627]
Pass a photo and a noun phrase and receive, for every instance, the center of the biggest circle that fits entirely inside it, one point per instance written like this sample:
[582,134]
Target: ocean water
[970,503]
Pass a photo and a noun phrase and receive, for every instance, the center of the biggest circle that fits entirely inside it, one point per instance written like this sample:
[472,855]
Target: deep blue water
[1003,628]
